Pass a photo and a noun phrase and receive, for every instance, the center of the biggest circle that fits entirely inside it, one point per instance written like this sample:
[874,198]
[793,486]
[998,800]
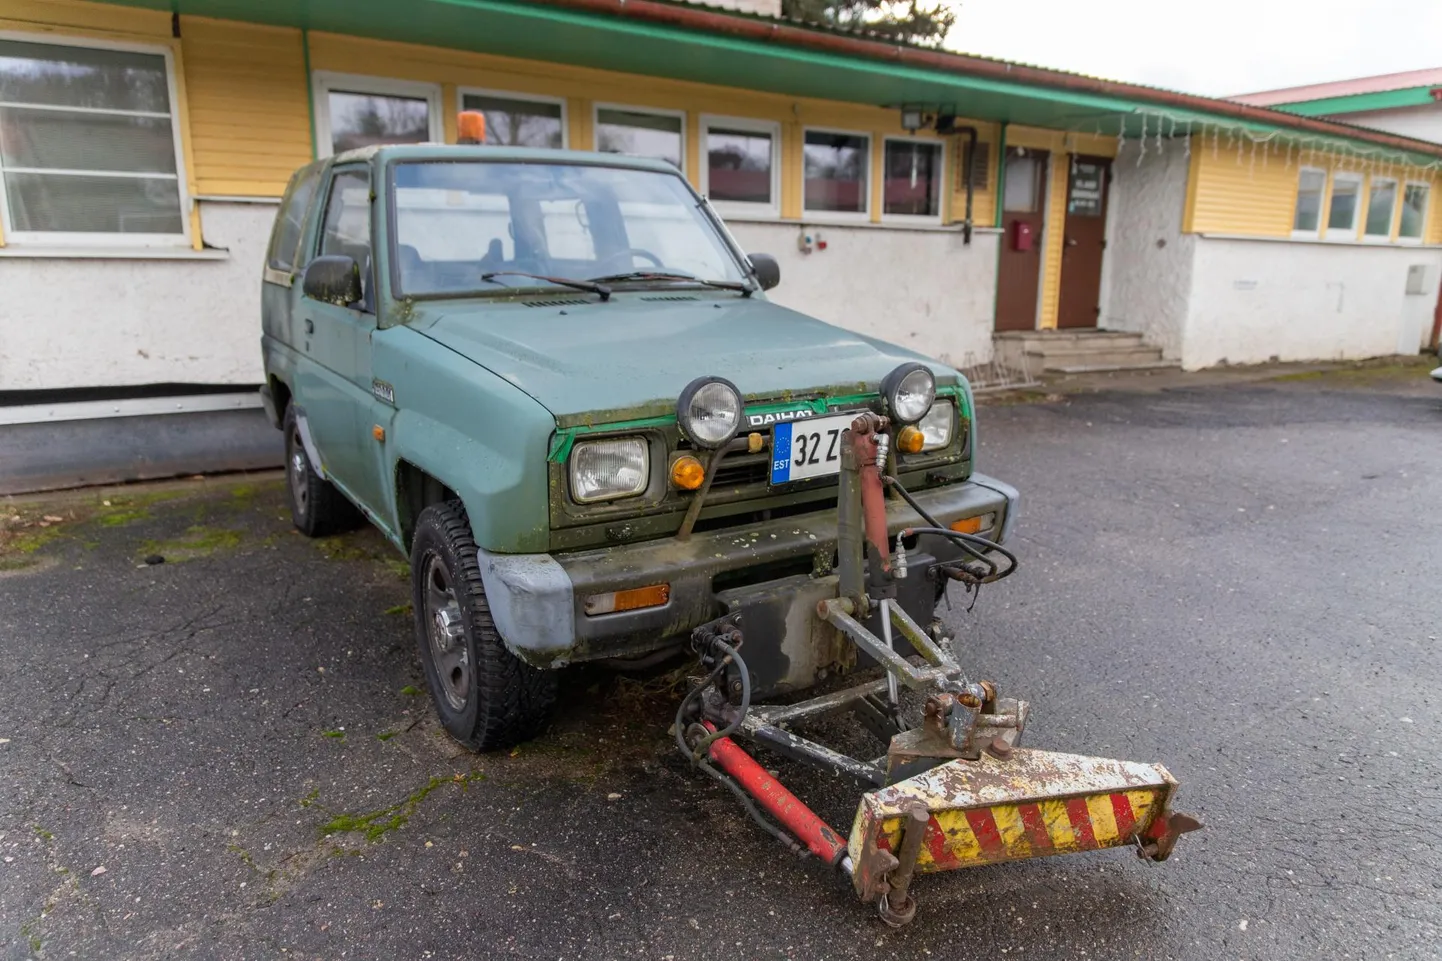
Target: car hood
[630,357]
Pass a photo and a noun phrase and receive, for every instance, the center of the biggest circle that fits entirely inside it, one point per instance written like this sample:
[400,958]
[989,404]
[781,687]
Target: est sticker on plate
[802,449]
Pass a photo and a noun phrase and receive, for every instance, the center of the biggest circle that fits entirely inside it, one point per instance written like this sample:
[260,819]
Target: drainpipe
[970,159]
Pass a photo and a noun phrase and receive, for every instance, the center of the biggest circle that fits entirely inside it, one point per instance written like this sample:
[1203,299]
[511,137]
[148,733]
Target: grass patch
[339,735]
[400,609]
[398,567]
[410,690]
[309,799]
[42,834]
[23,563]
[386,735]
[197,541]
[375,825]
[340,548]
[121,518]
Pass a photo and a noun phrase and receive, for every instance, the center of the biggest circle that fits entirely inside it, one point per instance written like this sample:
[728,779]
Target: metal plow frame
[956,791]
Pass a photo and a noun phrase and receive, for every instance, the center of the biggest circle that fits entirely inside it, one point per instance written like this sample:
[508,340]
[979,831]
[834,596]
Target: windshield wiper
[592,286]
[670,275]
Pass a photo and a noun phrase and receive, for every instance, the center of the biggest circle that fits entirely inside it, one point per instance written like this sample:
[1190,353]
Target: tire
[316,508]
[486,697]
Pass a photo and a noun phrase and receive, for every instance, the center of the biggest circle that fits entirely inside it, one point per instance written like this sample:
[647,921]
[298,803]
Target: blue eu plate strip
[781,453]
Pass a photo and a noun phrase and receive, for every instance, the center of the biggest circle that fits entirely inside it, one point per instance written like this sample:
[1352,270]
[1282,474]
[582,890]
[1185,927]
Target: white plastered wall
[1423,122]
[69,322]
[921,289]
[1208,300]
[1148,258]
[1254,301]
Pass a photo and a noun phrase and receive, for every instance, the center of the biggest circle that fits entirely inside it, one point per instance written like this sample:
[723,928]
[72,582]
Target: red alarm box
[1020,235]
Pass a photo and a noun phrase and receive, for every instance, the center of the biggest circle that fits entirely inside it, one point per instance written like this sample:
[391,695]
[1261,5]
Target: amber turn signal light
[656,595]
[687,473]
[967,525]
[909,440]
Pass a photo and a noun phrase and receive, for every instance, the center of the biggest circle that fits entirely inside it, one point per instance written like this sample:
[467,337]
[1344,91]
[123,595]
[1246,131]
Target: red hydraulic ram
[784,806]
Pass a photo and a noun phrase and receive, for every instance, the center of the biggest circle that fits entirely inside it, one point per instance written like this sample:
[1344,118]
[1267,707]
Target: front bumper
[537,599]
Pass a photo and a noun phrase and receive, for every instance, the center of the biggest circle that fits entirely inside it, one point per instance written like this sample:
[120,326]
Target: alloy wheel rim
[445,633]
[299,488]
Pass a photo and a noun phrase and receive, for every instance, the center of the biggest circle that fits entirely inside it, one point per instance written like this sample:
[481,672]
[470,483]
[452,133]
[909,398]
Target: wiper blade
[592,286]
[670,275]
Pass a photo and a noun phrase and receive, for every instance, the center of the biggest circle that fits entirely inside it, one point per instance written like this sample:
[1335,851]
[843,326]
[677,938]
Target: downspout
[309,88]
[970,160]
[1001,241]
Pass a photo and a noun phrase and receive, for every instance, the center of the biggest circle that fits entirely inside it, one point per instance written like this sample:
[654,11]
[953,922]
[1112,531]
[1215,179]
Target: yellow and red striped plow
[1030,805]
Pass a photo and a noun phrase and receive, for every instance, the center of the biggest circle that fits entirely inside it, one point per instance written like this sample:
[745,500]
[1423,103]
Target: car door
[334,388]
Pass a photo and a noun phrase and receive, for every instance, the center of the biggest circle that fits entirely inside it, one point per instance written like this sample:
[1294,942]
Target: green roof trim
[636,45]
[1359,102]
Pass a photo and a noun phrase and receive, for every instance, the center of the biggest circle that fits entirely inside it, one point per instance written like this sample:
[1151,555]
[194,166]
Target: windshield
[471,226]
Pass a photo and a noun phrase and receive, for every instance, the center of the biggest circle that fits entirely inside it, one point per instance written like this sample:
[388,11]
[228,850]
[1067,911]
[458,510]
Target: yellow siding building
[1218,241]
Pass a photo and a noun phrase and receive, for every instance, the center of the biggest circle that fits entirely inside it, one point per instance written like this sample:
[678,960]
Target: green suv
[555,383]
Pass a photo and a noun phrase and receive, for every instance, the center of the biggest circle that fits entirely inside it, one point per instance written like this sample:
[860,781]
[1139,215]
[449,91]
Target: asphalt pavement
[230,754]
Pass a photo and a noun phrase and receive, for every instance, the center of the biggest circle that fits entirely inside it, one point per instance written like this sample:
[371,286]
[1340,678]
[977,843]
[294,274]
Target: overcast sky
[1214,47]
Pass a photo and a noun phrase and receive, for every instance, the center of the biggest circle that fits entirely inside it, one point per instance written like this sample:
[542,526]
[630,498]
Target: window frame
[522,98]
[840,216]
[1348,234]
[276,275]
[369,302]
[56,238]
[741,208]
[1392,220]
[1322,198]
[1426,209]
[941,180]
[598,106]
[323,82]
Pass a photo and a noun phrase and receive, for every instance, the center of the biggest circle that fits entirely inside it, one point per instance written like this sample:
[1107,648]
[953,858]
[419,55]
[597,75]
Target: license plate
[802,449]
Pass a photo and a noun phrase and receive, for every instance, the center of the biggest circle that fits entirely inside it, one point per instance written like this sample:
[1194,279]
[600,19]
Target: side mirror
[766,269]
[333,279]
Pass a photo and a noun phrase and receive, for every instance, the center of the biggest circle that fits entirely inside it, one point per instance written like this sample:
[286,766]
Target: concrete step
[1037,339]
[1092,356]
[1106,369]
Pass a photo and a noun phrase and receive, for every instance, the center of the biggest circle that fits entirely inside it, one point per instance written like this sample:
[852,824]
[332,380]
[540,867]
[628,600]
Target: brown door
[1023,206]
[1082,250]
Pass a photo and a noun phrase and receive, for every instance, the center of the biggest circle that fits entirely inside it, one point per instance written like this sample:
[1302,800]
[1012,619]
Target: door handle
[309,326]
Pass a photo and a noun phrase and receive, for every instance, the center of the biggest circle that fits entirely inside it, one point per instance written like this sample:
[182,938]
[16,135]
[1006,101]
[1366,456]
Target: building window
[912,179]
[1311,184]
[1381,205]
[514,121]
[356,112]
[834,168]
[742,170]
[89,149]
[641,133]
[1022,187]
[1414,212]
[1342,211]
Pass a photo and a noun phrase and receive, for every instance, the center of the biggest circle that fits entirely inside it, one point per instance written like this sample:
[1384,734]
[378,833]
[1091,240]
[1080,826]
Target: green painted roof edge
[1359,102]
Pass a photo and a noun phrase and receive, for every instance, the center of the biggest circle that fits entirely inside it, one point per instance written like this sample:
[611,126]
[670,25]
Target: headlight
[937,426]
[709,411]
[908,391]
[603,470]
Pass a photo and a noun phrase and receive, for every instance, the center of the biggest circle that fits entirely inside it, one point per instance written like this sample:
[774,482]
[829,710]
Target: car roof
[500,154]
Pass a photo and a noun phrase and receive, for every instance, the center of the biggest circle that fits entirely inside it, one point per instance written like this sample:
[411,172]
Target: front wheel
[486,697]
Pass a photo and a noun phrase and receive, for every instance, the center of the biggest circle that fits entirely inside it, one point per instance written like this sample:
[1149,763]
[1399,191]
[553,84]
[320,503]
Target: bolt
[999,748]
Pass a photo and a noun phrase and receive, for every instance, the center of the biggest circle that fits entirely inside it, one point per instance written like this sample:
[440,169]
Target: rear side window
[291,221]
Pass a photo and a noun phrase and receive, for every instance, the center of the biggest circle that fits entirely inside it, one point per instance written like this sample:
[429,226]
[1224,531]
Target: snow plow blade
[1030,804]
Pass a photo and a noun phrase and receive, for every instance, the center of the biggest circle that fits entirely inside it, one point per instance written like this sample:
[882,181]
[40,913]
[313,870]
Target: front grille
[556,302]
[670,297]
[742,469]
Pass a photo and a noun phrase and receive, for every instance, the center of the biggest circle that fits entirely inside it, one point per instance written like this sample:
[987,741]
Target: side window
[290,222]
[347,227]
